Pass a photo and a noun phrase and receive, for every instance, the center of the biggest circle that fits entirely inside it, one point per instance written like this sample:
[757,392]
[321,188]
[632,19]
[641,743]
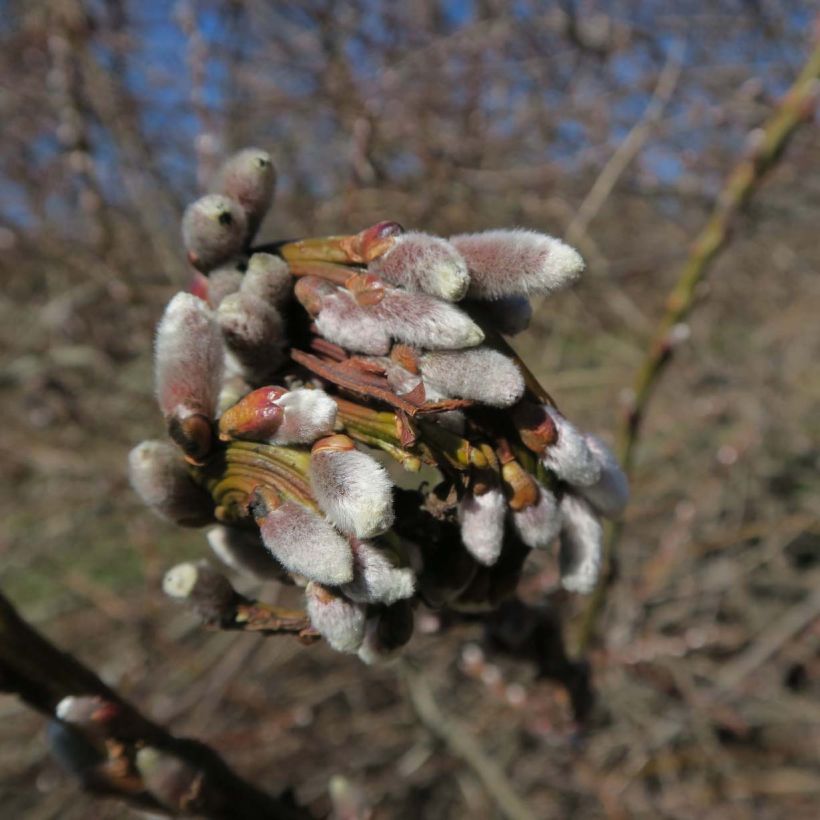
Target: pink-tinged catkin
[304,543]
[581,545]
[538,525]
[244,552]
[268,278]
[516,262]
[478,373]
[213,230]
[378,575]
[340,319]
[249,178]
[254,333]
[188,357]
[609,495]
[421,262]
[309,414]
[422,320]
[339,621]
[570,457]
[352,488]
[482,524]
[161,480]
[221,283]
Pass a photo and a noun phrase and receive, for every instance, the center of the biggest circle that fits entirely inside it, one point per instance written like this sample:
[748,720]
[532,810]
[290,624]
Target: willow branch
[42,676]
[768,145]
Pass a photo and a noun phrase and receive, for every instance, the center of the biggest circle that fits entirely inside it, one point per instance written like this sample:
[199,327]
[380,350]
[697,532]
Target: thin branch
[462,744]
[43,677]
[768,144]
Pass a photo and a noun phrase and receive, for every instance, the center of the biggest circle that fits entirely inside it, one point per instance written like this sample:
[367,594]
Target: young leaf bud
[580,555]
[221,283]
[213,230]
[208,592]
[516,262]
[419,261]
[309,414]
[386,632]
[255,417]
[340,319]
[482,524]
[378,577]
[249,178]
[254,332]
[173,781]
[610,493]
[353,489]
[480,373]
[538,525]
[338,621]
[269,279]
[161,480]
[569,456]
[245,553]
[188,359]
[303,542]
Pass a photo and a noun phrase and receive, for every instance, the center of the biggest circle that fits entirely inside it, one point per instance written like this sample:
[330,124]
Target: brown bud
[405,356]
[336,443]
[372,242]
[366,288]
[311,292]
[521,487]
[194,436]
[535,426]
[255,417]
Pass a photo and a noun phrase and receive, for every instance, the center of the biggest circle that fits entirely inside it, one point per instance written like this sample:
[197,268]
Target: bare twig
[461,743]
[628,149]
[767,147]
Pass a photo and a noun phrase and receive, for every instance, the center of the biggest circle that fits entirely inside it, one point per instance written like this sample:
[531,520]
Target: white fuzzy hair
[482,524]
[570,457]
[581,549]
[480,373]
[309,414]
[610,493]
[339,621]
[538,525]
[378,577]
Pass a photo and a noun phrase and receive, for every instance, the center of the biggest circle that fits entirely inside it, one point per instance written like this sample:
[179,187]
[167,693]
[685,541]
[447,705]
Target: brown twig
[768,145]
[43,676]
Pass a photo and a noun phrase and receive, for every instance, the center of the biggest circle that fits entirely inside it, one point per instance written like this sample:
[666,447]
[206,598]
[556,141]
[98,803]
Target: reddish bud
[255,417]
[213,230]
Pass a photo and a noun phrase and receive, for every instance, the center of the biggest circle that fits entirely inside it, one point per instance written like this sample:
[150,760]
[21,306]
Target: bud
[174,782]
[245,553]
[72,750]
[254,333]
[480,373]
[221,283]
[302,542]
[610,493]
[569,456]
[213,230]
[338,621]
[90,713]
[386,632]
[249,178]
[209,593]
[539,524]
[269,279]
[581,534]
[421,262]
[352,488]
[161,480]
[510,315]
[188,371]
[309,414]
[482,524]
[516,262]
[340,319]
[255,417]
[378,577]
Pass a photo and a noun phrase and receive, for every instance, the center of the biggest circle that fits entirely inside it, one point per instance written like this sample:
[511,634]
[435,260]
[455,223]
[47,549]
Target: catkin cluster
[288,368]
